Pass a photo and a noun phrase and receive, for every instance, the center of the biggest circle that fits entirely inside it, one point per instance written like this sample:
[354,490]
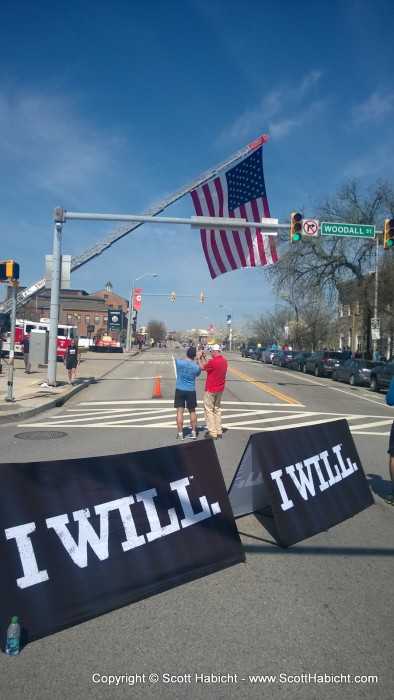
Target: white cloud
[370,163]
[48,145]
[377,107]
[273,109]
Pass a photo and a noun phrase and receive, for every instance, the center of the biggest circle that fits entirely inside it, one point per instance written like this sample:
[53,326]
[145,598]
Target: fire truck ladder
[101,246]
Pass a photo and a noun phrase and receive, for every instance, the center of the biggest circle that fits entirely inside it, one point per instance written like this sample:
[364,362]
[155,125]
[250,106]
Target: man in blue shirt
[185,392]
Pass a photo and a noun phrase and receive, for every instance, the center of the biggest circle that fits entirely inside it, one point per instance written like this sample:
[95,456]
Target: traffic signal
[388,238]
[9,270]
[173,296]
[295,227]
[202,297]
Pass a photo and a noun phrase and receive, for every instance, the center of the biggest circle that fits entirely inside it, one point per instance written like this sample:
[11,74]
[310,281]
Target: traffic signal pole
[10,383]
[55,293]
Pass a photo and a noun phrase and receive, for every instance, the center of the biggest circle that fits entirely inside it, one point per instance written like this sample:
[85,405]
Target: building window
[340,310]
[87,320]
[105,320]
[69,319]
[97,319]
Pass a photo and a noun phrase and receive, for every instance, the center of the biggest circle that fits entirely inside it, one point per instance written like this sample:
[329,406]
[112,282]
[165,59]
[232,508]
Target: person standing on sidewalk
[26,353]
[216,369]
[185,392]
[72,358]
[390,402]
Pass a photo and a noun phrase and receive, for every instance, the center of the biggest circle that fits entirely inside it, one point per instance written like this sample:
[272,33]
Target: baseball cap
[215,347]
[191,352]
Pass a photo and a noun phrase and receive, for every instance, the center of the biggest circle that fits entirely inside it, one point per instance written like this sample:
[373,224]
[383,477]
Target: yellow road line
[262,386]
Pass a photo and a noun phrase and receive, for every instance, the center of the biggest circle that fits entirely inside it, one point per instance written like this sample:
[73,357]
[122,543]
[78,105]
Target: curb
[55,402]
[58,401]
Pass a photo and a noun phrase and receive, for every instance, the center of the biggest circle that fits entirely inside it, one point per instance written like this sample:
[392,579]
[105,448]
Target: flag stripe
[244,186]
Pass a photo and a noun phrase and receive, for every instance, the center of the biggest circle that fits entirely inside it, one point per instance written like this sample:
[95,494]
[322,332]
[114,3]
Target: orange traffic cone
[157,391]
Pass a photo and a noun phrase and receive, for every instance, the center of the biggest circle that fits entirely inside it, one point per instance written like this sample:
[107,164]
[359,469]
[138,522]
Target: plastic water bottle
[13,637]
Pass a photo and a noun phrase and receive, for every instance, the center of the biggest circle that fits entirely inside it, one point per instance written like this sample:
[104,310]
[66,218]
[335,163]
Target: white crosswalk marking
[160,413]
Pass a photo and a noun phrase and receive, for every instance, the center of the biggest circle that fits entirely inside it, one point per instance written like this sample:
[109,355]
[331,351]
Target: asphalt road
[317,615]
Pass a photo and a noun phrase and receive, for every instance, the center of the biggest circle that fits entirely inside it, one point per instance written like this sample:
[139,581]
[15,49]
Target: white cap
[215,347]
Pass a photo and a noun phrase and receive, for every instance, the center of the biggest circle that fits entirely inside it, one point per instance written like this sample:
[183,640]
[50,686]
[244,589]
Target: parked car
[267,355]
[257,354]
[283,357]
[381,376]
[354,371]
[247,350]
[321,363]
[297,362]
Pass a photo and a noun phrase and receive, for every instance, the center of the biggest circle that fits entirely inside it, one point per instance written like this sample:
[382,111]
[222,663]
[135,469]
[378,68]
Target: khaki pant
[27,362]
[213,413]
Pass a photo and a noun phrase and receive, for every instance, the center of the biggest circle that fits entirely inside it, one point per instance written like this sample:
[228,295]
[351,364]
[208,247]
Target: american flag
[238,193]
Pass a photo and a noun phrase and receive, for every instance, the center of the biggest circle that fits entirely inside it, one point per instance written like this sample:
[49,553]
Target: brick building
[76,307]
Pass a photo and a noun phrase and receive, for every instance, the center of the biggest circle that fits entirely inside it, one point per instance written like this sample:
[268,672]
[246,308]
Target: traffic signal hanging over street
[388,235]
[9,270]
[295,227]
[173,296]
[202,297]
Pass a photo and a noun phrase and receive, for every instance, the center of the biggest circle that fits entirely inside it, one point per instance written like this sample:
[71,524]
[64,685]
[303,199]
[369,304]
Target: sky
[110,106]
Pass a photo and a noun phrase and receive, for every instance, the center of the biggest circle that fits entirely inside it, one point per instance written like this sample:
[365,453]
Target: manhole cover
[41,435]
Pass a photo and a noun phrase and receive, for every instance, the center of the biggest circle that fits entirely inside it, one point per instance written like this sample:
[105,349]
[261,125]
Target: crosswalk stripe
[254,417]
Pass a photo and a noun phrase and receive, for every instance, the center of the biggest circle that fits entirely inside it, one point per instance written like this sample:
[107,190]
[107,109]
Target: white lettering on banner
[286,502]
[25,548]
[304,480]
[156,529]
[99,543]
[190,518]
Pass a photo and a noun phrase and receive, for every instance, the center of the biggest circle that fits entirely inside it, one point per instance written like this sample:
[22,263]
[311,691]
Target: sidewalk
[31,398]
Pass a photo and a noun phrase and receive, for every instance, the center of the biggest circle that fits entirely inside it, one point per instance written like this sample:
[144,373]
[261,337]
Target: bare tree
[156,330]
[323,263]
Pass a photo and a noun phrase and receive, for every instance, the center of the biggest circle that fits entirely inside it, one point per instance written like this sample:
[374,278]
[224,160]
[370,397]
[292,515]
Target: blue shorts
[185,398]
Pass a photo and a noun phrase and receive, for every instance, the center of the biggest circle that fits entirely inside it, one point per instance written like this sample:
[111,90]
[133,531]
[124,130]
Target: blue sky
[109,106]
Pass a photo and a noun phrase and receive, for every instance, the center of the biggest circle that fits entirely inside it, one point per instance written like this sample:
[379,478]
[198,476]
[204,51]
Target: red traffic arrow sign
[310,227]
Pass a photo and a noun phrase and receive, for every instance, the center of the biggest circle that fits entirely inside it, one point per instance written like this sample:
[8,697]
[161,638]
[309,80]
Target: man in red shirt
[216,369]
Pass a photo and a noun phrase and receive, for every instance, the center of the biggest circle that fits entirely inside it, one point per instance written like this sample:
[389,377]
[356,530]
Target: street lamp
[230,326]
[131,307]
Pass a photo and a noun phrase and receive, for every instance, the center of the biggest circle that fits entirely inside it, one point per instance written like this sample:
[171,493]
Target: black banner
[115,320]
[81,537]
[311,477]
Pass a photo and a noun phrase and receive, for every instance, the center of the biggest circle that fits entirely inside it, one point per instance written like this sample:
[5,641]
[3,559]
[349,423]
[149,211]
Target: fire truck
[23,327]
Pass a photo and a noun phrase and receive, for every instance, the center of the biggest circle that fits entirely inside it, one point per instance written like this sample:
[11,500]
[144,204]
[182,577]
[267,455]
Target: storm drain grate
[41,435]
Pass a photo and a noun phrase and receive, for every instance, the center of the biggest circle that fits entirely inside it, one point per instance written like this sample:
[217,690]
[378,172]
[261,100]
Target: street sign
[310,227]
[329,228]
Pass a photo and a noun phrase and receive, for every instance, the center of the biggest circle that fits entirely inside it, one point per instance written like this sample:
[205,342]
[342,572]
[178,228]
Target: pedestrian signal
[295,227]
[388,237]
[202,297]
[173,296]
[9,270]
